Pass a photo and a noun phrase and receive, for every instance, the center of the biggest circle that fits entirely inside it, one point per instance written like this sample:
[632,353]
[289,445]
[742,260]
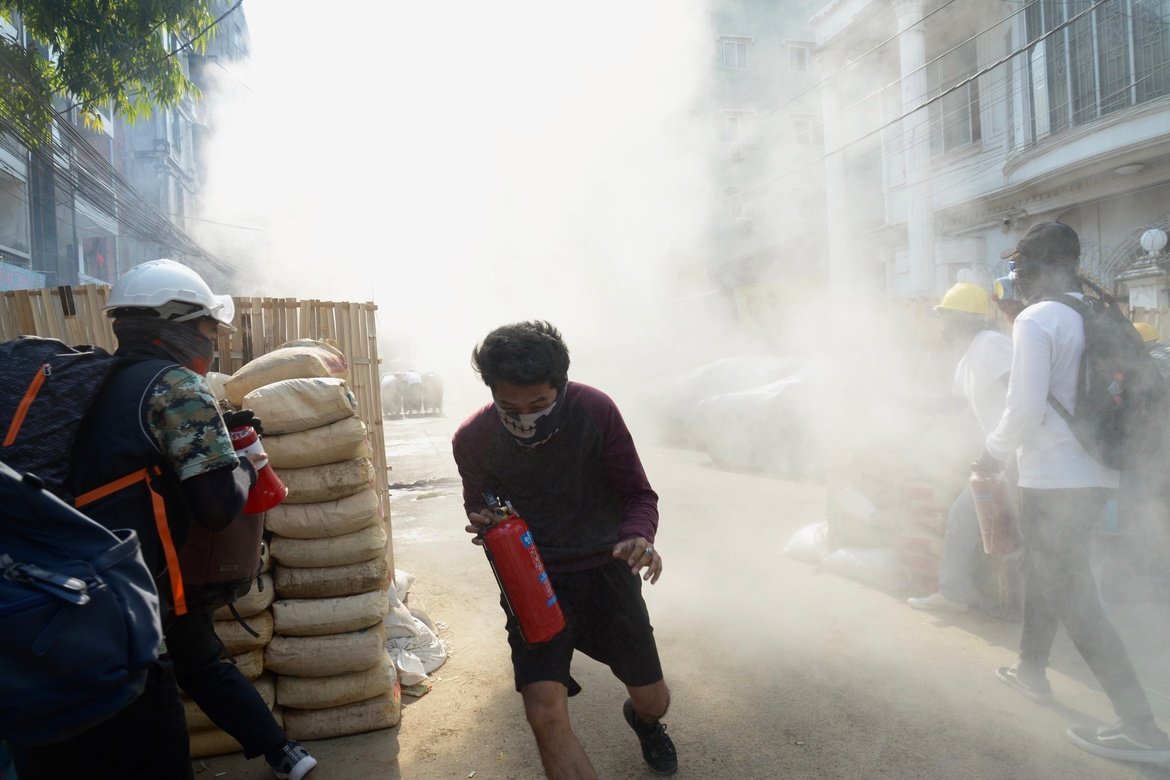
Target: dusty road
[776,670]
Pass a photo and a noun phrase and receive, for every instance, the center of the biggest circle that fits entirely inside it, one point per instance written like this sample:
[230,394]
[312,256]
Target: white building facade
[951,127]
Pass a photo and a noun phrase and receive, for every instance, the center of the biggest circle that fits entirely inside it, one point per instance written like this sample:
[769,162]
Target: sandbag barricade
[209,740]
[328,540]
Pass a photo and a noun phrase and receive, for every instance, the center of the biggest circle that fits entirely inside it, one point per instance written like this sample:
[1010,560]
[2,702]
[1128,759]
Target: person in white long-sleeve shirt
[1063,492]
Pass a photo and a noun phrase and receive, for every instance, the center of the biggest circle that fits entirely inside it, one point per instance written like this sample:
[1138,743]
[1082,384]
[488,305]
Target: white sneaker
[295,762]
[937,601]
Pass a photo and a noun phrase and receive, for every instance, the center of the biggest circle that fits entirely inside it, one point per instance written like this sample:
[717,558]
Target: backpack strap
[178,594]
[30,395]
[1081,308]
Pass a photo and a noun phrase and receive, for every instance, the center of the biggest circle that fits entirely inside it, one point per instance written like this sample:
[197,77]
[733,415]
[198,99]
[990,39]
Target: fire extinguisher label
[551,601]
[526,539]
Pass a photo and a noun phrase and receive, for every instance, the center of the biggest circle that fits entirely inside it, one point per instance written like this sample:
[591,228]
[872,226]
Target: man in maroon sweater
[560,452]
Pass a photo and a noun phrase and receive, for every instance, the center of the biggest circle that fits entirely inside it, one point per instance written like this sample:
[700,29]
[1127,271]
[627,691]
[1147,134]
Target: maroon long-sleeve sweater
[580,492]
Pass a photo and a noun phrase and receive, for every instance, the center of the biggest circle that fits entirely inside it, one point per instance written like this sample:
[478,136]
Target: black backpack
[79,616]
[1121,407]
[46,390]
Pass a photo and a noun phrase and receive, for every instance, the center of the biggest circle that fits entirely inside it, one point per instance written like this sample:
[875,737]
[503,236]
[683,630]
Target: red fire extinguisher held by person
[516,562]
[268,490]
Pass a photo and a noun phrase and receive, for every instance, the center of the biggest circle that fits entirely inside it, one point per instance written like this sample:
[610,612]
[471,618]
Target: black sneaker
[657,748]
[1145,744]
[294,762]
[1032,685]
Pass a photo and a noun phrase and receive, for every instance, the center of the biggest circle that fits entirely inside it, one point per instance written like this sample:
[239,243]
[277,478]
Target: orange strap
[178,594]
[30,395]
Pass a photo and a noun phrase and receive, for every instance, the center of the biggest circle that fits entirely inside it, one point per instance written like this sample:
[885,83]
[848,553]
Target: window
[177,133]
[1115,56]
[954,119]
[735,51]
[740,128]
[798,57]
[808,130]
[739,206]
[14,226]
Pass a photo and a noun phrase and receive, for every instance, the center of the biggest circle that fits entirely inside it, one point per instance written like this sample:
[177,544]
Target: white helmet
[171,289]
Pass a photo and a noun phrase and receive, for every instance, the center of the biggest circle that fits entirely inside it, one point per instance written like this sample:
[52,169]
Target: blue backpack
[79,616]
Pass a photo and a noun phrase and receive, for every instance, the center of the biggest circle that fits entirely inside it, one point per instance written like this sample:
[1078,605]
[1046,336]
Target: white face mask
[524,426]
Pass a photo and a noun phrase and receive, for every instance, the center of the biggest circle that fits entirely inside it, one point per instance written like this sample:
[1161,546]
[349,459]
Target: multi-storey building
[952,126]
[765,111]
[100,199]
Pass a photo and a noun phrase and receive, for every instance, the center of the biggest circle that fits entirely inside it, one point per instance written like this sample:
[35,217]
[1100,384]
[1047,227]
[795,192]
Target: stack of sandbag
[291,360]
[245,651]
[937,472]
[334,675]
[922,536]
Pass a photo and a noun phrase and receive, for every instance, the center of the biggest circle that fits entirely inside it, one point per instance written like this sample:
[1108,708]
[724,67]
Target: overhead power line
[921,106]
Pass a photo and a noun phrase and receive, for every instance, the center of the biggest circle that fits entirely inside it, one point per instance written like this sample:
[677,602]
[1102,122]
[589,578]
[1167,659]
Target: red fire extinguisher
[516,562]
[996,513]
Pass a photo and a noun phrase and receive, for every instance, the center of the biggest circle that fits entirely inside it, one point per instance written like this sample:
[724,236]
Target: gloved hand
[242,418]
[987,465]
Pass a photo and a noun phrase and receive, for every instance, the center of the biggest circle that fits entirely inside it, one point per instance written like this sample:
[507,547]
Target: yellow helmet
[968,298]
[1148,331]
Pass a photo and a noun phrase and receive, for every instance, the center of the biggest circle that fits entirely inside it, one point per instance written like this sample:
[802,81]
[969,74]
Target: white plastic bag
[416,656]
[809,544]
[403,581]
[877,566]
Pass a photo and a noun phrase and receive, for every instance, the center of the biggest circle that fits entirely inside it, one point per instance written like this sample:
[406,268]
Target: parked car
[780,427]
[670,404]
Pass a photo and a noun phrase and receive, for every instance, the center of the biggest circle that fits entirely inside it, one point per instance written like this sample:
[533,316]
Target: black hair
[523,353]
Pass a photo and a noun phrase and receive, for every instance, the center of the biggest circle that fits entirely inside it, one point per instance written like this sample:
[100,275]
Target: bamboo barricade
[74,315]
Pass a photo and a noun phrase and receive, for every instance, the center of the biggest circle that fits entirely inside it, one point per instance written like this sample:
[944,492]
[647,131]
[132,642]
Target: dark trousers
[218,688]
[1059,589]
[146,740]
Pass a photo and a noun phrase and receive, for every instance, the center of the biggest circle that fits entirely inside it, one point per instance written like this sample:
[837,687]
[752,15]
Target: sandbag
[317,617]
[326,656]
[236,638]
[265,685]
[331,481]
[379,712]
[255,601]
[310,693]
[363,545]
[250,662]
[300,360]
[214,742]
[216,381]
[324,519]
[294,405]
[341,440]
[330,581]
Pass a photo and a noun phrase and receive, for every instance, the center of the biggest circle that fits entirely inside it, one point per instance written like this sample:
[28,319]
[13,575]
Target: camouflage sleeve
[185,421]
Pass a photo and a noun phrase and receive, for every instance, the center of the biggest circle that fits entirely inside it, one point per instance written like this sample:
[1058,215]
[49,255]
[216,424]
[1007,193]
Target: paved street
[777,670]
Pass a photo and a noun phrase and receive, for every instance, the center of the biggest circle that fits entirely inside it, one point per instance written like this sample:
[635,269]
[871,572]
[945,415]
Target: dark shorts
[606,620]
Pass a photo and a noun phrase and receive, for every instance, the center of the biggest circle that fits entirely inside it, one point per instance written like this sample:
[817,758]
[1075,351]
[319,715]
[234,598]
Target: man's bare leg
[650,701]
[546,705]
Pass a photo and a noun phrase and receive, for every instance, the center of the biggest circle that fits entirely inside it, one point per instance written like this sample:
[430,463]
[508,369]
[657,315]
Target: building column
[843,274]
[916,149]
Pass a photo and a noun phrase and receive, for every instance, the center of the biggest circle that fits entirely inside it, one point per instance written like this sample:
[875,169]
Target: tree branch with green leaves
[120,54]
